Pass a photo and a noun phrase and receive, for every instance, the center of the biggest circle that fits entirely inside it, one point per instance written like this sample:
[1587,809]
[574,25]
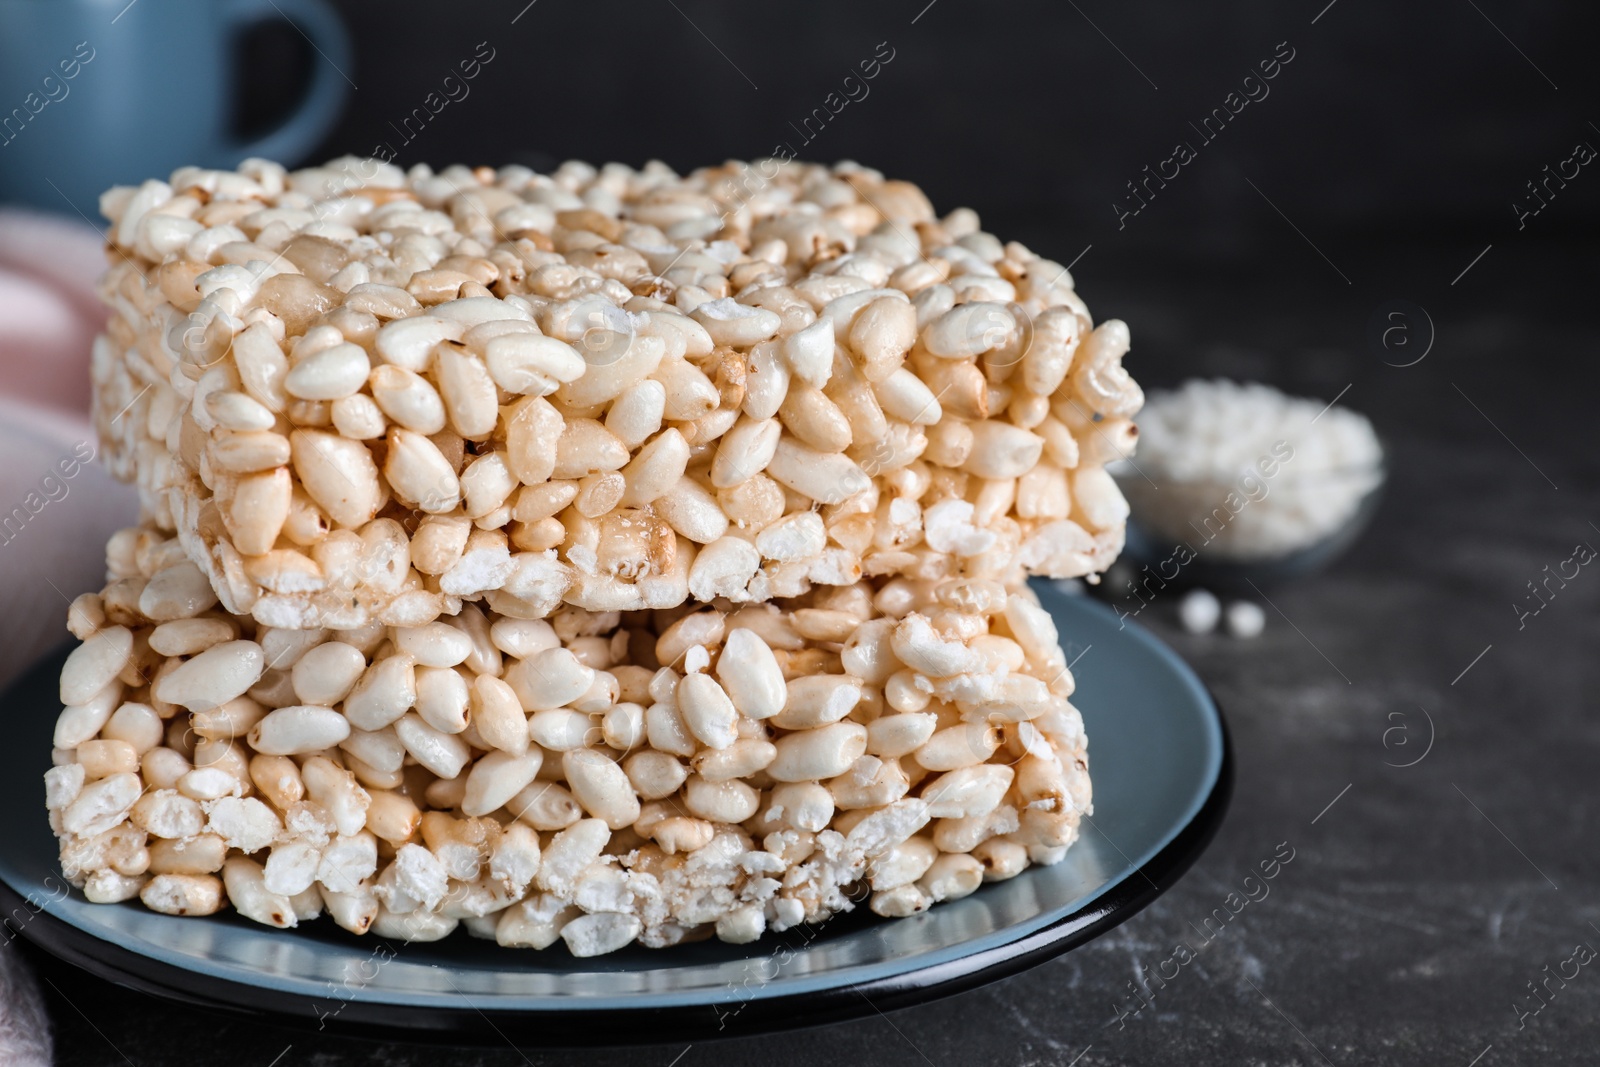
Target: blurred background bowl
[1297,527]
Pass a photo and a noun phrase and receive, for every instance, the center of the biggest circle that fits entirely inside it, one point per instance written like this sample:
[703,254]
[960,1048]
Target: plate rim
[579,1027]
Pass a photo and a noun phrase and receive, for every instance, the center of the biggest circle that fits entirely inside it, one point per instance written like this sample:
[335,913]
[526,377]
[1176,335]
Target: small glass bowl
[1266,531]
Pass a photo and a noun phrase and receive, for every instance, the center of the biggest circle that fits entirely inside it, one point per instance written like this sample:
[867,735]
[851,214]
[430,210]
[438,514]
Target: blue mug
[95,93]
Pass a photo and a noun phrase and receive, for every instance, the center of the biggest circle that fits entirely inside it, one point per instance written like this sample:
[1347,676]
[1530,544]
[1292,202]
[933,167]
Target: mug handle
[301,131]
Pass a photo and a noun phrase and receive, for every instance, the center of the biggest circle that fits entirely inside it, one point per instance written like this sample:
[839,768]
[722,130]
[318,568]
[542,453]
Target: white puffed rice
[1246,619]
[742,383]
[1199,611]
[745,488]
[781,780]
[1250,471]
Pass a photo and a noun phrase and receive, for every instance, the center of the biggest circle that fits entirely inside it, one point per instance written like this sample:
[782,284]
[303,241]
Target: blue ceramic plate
[1161,767]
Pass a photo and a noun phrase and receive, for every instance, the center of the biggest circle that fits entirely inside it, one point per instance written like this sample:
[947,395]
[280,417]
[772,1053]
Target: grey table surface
[1422,900]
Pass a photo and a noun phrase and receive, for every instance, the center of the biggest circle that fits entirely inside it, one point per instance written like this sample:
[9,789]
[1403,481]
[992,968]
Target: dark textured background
[1422,902]
[1395,120]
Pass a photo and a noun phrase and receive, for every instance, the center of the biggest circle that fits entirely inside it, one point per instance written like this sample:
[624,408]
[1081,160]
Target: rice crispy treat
[363,395]
[598,778]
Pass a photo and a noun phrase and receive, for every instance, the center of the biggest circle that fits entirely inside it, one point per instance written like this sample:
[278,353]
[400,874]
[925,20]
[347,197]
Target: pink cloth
[49,313]
[53,527]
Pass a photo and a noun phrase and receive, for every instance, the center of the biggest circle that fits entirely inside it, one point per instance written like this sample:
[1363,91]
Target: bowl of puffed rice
[1240,484]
